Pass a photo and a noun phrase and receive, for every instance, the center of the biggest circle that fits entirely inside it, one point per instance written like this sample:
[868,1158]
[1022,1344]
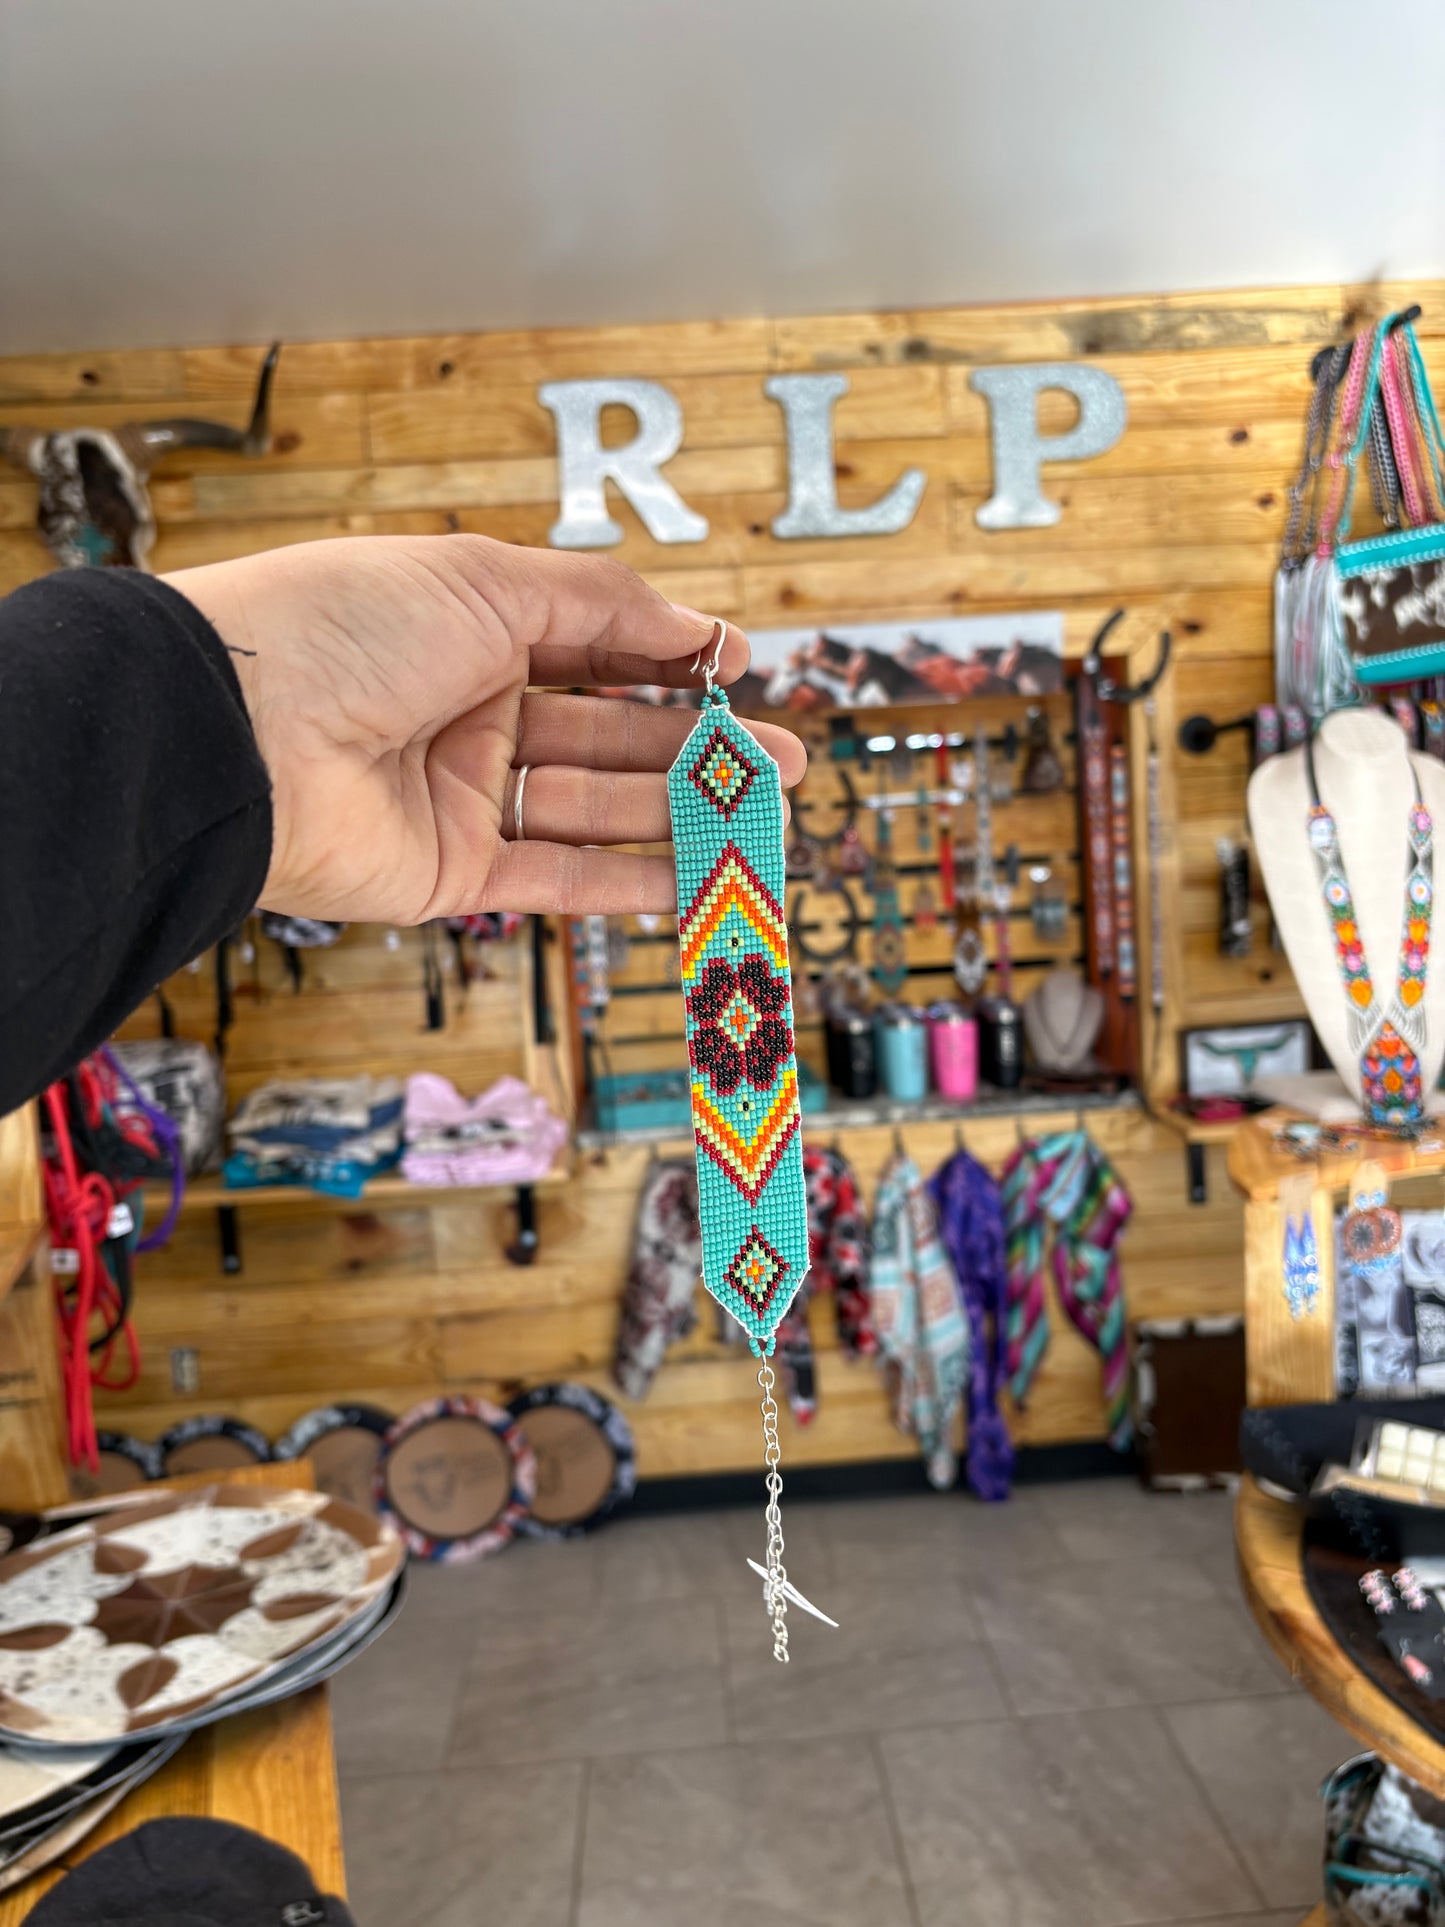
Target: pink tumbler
[953,1045]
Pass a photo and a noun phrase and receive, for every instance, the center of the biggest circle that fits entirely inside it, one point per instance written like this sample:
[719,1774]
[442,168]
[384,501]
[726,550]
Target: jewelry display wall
[882,854]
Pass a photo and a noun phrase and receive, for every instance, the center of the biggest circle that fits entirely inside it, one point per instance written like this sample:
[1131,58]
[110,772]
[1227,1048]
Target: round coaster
[586,1459]
[210,1443]
[343,1443]
[456,1475]
[124,1464]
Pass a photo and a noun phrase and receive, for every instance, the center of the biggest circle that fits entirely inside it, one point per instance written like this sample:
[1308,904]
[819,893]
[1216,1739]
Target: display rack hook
[1106,688]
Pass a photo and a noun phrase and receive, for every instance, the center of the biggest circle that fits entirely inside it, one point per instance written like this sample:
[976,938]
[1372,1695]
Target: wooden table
[1287,1359]
[1267,1539]
[272,1770]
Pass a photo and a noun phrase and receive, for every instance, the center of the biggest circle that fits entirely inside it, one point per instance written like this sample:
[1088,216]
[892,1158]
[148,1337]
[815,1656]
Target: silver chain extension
[774,1595]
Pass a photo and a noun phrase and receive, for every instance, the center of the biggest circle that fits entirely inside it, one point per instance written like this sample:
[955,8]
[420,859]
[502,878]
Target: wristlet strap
[1304,494]
[1407,452]
[1361,383]
[1429,418]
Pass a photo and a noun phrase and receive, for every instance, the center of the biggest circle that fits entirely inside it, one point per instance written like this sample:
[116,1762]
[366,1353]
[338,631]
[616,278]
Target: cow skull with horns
[95,506]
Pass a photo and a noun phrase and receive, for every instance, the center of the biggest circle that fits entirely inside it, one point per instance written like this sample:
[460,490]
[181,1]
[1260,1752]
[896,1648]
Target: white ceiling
[198,170]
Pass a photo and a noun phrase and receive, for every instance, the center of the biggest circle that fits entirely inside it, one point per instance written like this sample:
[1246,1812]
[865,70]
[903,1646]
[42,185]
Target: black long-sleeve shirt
[135,809]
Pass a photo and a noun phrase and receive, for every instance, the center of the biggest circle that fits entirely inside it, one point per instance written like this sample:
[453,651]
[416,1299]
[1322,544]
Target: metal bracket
[524,1248]
[1198,1182]
[522,1251]
[228,1225]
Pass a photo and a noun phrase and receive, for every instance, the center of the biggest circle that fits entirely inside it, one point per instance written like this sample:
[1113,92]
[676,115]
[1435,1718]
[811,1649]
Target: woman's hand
[387,680]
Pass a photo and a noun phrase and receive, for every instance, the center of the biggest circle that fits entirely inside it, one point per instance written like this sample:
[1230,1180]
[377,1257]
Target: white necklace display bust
[1363,769]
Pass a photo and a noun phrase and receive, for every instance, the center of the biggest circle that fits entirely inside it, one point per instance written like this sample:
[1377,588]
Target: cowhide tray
[153,1614]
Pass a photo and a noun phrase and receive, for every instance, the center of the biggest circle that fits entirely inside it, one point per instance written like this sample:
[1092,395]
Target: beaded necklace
[727,829]
[1388,1041]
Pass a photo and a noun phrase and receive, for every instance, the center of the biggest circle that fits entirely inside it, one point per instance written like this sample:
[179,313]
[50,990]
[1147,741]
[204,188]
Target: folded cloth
[315,1112]
[508,1135]
[332,1134]
[190,1873]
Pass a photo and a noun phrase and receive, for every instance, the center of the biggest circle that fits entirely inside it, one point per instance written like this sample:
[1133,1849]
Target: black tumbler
[852,1052]
[1000,1042]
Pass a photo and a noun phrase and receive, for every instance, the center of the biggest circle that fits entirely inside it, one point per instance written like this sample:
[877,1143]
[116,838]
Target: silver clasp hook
[713,647]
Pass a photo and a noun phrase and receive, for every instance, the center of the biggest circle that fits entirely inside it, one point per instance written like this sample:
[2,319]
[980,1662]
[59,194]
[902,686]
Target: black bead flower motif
[740,1030]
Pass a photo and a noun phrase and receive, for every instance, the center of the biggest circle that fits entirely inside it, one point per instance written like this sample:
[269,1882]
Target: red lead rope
[80,1206]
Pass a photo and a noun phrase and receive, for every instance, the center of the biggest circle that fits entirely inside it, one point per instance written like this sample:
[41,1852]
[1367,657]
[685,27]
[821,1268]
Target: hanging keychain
[947,880]
[852,850]
[727,829]
[923,823]
[890,951]
[1094,752]
[970,960]
[1154,796]
[1125,955]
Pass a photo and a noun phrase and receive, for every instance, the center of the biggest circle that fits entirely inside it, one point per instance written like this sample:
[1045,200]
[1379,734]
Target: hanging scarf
[971,1220]
[1064,1185]
[1026,1323]
[837,1262]
[657,1303]
[838,1245]
[918,1317]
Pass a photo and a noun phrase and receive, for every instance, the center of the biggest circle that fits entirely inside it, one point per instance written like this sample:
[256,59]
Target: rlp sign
[807,401]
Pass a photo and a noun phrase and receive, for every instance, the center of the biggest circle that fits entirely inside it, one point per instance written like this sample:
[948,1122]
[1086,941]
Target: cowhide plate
[149,1616]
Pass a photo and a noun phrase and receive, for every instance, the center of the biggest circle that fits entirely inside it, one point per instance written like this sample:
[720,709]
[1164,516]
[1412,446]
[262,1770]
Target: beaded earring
[727,829]
[1301,1252]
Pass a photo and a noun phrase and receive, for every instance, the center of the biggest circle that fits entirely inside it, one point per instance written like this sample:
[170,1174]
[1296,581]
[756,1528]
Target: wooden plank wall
[1179,523]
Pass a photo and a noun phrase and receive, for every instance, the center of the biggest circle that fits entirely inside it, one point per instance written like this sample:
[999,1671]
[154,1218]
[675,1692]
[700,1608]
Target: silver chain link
[776,1598]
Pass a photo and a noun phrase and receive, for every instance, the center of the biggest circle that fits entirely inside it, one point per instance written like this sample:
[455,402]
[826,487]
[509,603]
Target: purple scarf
[971,1221]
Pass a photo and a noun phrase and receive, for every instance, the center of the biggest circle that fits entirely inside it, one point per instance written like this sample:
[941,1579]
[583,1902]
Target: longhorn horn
[19,445]
[146,442]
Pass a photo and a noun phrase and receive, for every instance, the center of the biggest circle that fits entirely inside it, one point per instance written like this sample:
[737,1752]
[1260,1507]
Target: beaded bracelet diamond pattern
[727,824]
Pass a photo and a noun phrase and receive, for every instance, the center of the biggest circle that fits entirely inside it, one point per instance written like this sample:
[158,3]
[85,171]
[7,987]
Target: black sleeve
[135,809]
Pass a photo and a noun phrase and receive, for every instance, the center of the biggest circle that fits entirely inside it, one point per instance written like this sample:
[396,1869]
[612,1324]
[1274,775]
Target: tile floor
[1050,1714]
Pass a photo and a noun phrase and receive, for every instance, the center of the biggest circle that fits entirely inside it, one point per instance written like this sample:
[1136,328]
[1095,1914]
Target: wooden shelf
[18,1245]
[1194,1132]
[211,1193]
[849,1114]
[1258,1167]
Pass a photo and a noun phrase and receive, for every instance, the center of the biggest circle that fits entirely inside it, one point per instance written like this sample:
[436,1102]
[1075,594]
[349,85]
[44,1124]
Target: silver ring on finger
[518,832]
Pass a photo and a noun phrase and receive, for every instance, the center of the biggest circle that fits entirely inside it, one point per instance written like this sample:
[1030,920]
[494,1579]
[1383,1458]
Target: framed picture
[1228,1060]
[864,665]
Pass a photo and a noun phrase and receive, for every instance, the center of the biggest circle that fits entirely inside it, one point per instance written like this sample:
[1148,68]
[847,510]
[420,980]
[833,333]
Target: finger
[600,732]
[561,805]
[588,618]
[557,879]
[628,665]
